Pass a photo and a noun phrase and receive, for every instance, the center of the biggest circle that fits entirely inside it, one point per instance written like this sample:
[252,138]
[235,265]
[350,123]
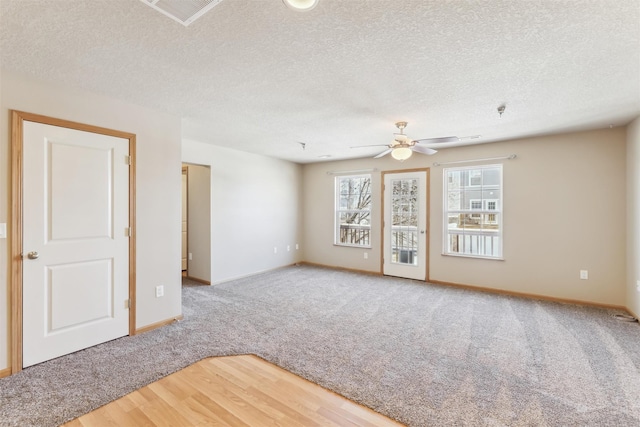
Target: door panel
[67,283]
[75,217]
[405,233]
[86,187]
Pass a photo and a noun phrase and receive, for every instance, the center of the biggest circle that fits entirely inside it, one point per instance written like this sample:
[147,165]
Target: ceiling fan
[402,146]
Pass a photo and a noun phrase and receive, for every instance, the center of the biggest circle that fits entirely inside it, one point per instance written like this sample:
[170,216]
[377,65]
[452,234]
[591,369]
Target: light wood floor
[232,391]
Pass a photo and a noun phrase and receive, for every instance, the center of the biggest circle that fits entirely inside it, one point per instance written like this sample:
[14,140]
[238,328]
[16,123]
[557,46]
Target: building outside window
[353,211]
[473,211]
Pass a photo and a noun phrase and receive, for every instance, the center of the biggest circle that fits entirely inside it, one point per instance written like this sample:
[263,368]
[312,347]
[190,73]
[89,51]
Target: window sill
[490,258]
[342,245]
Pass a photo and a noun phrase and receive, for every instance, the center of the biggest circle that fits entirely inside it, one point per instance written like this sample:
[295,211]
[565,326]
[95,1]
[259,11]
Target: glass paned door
[405,205]
[404,221]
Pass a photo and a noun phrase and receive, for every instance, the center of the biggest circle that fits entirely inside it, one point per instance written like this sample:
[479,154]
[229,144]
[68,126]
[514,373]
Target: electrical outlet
[288,248]
[3,230]
[190,256]
[297,246]
[159,291]
[275,249]
[638,285]
[584,274]
[366,255]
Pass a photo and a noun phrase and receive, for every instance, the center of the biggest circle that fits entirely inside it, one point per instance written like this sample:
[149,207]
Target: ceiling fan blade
[424,150]
[437,140]
[374,145]
[384,153]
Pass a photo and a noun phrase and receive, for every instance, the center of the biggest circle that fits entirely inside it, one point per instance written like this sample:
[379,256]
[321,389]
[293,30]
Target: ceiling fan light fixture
[301,5]
[402,138]
[401,153]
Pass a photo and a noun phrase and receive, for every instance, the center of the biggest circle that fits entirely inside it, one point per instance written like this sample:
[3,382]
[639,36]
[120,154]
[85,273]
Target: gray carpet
[425,355]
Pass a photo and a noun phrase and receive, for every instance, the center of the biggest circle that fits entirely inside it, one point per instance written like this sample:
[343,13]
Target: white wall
[633,216]
[157,182]
[199,223]
[564,211]
[255,206]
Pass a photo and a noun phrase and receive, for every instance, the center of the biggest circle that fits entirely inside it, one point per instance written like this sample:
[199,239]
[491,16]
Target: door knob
[33,255]
[421,231]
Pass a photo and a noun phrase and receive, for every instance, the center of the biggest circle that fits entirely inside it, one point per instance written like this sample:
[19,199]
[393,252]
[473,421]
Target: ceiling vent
[183,11]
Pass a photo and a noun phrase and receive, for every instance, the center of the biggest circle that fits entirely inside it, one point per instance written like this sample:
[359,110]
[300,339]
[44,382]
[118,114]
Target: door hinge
[127,160]
[128,232]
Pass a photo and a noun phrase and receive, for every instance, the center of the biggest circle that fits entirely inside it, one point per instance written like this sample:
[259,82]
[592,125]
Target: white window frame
[338,211]
[469,235]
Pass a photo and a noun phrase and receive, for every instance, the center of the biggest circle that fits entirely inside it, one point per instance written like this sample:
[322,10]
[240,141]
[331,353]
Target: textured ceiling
[256,76]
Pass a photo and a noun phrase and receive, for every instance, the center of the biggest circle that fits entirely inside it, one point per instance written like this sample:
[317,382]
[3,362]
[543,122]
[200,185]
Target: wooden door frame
[427,190]
[185,171]
[17,125]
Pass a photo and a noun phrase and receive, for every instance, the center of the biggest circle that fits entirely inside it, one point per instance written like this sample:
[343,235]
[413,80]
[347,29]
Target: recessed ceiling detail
[183,11]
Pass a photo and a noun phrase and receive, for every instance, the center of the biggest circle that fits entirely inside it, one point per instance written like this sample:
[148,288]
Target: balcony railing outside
[460,241]
[474,242]
[355,234]
[404,244]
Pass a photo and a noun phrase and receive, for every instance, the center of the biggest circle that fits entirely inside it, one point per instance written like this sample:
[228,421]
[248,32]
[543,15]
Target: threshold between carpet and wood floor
[232,391]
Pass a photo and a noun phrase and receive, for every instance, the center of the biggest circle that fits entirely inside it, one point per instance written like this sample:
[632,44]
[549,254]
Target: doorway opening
[185,211]
[196,223]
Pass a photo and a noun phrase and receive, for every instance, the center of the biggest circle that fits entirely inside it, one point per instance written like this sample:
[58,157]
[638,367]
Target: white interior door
[405,222]
[75,240]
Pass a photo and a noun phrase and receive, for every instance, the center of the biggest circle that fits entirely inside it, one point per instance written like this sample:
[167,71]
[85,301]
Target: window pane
[454,179]
[471,194]
[475,177]
[404,221]
[404,246]
[353,210]
[489,221]
[454,200]
[471,228]
[454,221]
[358,218]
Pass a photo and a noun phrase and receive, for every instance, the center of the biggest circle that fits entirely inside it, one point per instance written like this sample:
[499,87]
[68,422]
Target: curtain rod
[350,172]
[510,157]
